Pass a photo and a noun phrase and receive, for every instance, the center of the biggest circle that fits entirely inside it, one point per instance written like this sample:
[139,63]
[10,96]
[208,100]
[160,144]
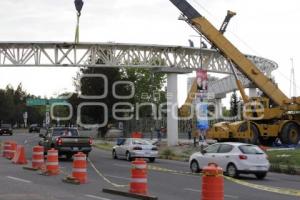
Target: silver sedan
[130,148]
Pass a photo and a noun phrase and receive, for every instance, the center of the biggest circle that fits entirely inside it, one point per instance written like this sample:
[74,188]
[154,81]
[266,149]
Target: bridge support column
[218,107]
[252,92]
[172,114]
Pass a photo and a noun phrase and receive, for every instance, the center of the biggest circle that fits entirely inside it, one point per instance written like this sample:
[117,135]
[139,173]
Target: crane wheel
[254,134]
[290,133]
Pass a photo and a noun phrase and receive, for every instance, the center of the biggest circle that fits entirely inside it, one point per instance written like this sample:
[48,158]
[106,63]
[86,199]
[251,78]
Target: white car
[130,148]
[233,158]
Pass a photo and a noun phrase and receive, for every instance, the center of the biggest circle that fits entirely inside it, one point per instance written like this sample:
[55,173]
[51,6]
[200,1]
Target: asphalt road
[167,180]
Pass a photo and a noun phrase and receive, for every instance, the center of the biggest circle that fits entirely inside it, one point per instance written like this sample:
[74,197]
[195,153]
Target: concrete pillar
[172,115]
[252,92]
[218,107]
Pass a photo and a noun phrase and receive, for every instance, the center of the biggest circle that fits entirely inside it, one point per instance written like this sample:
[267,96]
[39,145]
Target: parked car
[66,140]
[233,158]
[6,129]
[34,128]
[131,148]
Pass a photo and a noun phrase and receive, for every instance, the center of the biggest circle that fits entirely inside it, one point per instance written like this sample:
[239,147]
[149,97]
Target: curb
[128,194]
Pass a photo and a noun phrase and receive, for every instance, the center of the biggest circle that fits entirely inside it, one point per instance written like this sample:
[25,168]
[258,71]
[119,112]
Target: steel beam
[65,54]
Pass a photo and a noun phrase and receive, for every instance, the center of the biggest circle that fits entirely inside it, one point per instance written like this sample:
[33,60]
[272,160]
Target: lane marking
[278,190]
[283,191]
[193,190]
[122,165]
[96,197]
[119,177]
[102,176]
[18,179]
[199,191]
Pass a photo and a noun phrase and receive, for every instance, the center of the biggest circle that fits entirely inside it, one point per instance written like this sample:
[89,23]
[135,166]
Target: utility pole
[293,92]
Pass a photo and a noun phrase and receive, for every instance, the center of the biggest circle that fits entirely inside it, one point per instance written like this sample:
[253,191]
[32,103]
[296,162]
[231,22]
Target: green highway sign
[36,102]
[43,102]
[52,101]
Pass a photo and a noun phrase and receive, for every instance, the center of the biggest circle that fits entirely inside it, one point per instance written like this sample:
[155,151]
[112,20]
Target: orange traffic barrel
[6,148]
[52,167]
[19,156]
[139,183]
[212,182]
[79,171]
[11,150]
[37,157]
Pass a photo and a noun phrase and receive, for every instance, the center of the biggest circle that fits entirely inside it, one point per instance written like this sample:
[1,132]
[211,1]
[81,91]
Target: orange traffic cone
[19,157]
[139,181]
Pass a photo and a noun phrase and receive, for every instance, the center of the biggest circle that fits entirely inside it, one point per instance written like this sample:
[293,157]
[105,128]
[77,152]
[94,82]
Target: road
[168,180]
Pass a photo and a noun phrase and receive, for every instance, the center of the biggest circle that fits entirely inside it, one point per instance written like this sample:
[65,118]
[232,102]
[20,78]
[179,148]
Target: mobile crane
[271,116]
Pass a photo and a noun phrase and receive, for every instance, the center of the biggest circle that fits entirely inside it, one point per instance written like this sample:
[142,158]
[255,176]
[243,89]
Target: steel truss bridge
[67,54]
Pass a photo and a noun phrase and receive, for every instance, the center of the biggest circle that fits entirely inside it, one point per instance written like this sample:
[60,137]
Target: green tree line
[13,105]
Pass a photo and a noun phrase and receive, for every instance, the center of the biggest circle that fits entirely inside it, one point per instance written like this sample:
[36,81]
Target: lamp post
[78,6]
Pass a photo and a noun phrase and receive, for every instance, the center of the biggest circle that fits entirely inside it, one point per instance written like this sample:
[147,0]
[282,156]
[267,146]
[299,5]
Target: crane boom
[228,50]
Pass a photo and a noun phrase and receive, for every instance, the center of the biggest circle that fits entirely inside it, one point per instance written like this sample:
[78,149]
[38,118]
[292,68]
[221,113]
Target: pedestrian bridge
[67,54]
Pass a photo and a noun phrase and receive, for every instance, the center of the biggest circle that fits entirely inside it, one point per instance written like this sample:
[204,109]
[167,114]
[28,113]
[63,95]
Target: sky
[268,28]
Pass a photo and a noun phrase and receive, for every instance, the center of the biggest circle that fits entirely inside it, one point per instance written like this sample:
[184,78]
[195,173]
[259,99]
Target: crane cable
[77,29]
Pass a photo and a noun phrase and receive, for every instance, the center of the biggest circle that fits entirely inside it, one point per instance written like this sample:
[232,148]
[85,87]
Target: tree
[95,86]
[148,87]
[13,105]
[234,105]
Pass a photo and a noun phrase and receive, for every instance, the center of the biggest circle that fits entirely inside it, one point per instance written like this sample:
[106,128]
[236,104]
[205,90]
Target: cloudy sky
[268,28]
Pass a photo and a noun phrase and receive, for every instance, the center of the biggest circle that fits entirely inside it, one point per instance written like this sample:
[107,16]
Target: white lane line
[95,197]
[231,196]
[18,179]
[119,177]
[122,165]
[199,191]
[193,190]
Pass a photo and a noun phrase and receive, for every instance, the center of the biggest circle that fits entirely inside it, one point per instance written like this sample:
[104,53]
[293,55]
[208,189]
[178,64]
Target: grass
[104,146]
[285,161]
[285,157]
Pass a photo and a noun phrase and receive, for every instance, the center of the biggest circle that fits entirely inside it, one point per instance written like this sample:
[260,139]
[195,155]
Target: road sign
[52,101]
[43,102]
[36,102]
